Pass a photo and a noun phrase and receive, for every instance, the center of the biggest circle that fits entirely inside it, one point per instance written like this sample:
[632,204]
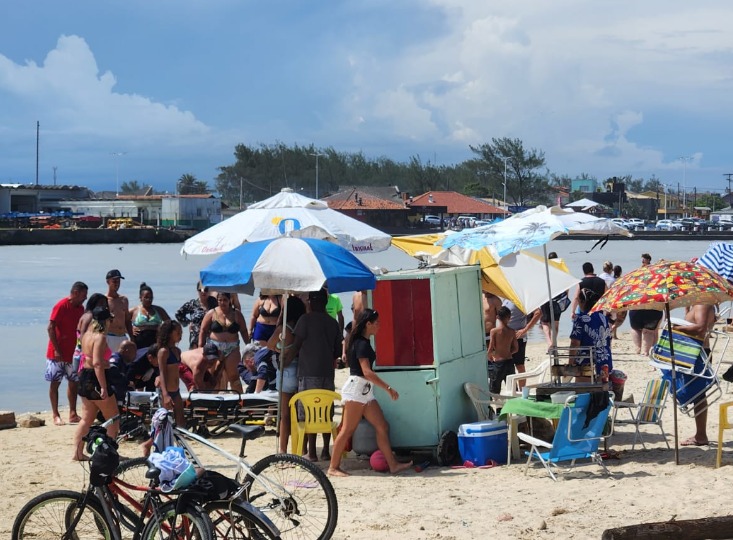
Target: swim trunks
[56,371]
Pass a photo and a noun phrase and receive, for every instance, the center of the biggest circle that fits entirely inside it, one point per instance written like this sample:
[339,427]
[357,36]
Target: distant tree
[654,184]
[635,186]
[187,184]
[521,176]
[133,186]
[712,200]
[475,189]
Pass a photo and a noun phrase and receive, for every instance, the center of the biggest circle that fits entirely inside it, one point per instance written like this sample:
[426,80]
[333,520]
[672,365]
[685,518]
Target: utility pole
[54,174]
[684,160]
[317,155]
[729,175]
[38,142]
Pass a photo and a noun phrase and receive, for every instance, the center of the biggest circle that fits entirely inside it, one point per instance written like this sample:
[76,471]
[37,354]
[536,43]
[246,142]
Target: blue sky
[605,87]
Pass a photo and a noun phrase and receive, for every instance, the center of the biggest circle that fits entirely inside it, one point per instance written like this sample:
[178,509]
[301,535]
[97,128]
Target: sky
[149,91]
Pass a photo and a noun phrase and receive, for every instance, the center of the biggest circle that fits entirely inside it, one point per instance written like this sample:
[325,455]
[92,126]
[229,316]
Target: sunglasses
[205,289]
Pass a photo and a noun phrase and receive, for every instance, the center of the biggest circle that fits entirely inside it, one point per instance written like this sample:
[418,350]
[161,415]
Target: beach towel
[161,431]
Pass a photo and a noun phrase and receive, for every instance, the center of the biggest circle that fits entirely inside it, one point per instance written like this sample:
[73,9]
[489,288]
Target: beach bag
[562,301]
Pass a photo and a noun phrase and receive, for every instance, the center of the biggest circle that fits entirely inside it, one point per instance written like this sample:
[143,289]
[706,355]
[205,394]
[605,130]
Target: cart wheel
[448,448]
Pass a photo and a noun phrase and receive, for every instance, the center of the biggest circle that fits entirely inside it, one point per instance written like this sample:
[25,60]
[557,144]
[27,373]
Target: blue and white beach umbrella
[288,265]
[719,259]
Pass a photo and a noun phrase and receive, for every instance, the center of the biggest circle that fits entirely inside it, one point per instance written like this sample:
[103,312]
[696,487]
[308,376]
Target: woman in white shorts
[357,395]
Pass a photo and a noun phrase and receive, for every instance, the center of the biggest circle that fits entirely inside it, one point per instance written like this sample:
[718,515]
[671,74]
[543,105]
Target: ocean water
[34,278]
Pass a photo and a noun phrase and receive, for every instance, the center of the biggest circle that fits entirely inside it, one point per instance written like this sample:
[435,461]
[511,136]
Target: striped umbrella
[719,259]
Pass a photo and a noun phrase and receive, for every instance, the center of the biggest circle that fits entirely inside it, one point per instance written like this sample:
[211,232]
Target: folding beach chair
[577,435]
[647,412]
[696,371]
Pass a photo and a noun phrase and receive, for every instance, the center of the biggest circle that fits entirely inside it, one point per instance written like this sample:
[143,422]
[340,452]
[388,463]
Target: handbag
[562,301]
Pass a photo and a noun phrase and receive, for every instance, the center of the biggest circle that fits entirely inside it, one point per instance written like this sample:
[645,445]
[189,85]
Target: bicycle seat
[248,433]
[153,473]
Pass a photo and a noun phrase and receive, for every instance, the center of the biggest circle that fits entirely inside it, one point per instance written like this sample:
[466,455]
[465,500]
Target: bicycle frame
[180,435]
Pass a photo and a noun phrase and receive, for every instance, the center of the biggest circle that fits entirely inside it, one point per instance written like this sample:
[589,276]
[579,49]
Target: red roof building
[433,202]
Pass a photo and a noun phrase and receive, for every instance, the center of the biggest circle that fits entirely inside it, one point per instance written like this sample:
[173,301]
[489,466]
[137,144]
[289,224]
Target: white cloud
[570,77]
[73,98]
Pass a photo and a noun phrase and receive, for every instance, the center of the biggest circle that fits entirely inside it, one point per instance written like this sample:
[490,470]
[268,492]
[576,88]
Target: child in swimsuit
[169,357]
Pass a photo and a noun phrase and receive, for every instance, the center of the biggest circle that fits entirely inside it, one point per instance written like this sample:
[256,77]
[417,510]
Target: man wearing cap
[199,368]
[121,325]
[61,331]
[317,344]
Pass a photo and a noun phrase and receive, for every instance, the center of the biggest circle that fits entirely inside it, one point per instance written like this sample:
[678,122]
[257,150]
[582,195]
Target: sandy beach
[444,503]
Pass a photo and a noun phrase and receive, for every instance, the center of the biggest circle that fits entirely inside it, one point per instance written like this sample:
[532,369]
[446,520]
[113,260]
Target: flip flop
[471,465]
[694,442]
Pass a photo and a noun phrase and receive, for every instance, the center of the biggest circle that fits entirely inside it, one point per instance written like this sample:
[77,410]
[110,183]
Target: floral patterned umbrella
[666,285]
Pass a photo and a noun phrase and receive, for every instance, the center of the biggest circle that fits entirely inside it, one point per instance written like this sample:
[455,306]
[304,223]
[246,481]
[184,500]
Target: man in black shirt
[589,281]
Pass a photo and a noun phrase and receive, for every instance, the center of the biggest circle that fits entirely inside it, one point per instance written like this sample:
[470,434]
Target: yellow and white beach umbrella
[519,277]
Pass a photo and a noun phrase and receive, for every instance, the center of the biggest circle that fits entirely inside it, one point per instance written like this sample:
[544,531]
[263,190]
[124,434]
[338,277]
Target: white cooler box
[479,442]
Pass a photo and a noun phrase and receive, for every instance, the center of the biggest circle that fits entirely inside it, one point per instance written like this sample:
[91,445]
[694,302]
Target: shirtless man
[121,325]
[199,362]
[358,303]
[502,347]
[491,304]
[702,319]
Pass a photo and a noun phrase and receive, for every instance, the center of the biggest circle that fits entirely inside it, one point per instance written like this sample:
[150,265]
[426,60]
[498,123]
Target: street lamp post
[684,160]
[505,159]
[117,156]
[317,155]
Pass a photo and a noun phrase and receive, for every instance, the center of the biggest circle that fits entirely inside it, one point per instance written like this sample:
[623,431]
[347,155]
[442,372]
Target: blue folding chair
[573,439]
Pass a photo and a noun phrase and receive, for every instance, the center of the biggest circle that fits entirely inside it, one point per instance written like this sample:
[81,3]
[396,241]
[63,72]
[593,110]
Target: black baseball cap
[112,274]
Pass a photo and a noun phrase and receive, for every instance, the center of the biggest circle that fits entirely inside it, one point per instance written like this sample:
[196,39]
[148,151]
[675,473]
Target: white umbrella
[532,228]
[287,214]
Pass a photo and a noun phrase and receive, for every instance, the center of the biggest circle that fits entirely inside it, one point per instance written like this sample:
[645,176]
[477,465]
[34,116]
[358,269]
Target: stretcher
[136,412]
[212,412]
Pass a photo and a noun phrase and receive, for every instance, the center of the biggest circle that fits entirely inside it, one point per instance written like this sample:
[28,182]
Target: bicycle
[96,514]
[291,492]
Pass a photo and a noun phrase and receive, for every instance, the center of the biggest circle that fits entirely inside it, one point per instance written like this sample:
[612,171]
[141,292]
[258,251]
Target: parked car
[669,225]
[432,220]
[621,222]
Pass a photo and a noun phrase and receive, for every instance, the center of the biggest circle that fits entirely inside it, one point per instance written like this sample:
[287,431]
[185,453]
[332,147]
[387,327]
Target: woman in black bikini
[169,358]
[221,326]
[265,314]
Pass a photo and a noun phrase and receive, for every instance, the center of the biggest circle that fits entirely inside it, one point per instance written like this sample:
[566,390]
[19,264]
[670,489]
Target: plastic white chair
[535,376]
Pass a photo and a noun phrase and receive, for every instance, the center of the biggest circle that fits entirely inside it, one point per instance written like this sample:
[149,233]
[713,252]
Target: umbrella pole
[674,385]
[280,376]
[553,332]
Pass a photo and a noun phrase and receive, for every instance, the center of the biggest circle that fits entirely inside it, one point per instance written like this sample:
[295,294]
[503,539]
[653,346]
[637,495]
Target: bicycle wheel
[50,515]
[234,521]
[131,471]
[189,522]
[302,503]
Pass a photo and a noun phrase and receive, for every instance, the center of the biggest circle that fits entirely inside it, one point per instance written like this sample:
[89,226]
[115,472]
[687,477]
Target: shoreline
[31,237]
